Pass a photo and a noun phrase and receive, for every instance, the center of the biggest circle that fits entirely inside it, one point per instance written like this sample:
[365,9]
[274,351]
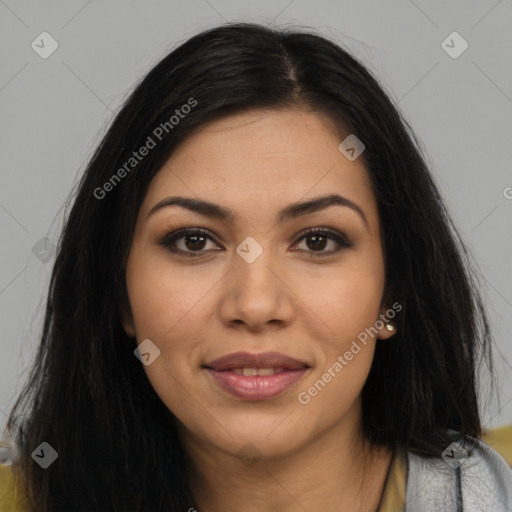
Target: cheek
[346,299]
[168,307]
[333,392]
[163,297]
[165,304]
[350,308]
[348,303]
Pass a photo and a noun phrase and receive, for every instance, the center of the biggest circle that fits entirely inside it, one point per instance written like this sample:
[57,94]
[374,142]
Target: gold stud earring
[390,327]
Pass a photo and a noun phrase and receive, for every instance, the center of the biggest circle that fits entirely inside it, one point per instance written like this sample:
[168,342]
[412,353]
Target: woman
[259,229]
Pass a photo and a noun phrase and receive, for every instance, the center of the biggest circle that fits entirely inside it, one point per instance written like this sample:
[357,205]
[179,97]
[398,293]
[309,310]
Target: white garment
[481,483]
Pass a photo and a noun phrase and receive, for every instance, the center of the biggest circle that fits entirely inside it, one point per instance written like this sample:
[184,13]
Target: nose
[257,294]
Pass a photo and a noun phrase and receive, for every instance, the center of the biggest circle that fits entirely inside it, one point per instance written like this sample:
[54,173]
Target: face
[256,282]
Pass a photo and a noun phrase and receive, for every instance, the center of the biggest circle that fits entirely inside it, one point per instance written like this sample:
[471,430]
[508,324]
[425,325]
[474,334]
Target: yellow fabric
[393,497]
[500,439]
[11,499]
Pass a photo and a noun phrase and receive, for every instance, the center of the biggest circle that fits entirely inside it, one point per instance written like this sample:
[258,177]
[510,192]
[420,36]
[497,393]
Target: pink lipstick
[256,376]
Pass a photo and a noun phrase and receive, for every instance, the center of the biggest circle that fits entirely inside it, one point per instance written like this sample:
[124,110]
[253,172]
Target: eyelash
[342,240]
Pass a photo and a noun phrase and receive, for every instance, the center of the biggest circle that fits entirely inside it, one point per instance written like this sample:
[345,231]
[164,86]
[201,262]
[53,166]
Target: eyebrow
[291,211]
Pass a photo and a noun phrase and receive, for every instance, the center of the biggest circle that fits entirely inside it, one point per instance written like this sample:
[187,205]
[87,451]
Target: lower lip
[256,387]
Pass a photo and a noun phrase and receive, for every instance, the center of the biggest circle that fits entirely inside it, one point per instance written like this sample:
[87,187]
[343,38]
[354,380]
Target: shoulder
[11,500]
[469,475]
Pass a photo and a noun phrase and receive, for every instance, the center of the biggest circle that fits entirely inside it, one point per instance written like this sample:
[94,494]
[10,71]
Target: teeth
[266,371]
[250,372]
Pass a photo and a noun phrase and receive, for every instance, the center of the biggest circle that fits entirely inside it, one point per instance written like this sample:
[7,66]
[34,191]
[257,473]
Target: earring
[390,327]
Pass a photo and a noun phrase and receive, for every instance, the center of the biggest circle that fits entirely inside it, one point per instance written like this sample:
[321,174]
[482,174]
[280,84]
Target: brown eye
[194,241]
[317,240]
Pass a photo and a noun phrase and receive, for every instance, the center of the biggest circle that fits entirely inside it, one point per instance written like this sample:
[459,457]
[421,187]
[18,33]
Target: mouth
[256,376]
[252,372]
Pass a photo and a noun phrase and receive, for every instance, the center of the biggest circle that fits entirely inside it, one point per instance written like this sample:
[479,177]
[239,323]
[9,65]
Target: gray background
[55,110]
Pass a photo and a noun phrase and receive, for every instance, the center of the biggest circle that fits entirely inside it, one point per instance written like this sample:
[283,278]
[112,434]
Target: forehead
[263,160]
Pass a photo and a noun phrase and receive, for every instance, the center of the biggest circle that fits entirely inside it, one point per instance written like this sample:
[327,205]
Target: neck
[335,471]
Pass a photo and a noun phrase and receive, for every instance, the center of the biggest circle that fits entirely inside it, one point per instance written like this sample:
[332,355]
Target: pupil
[195,237]
[316,245]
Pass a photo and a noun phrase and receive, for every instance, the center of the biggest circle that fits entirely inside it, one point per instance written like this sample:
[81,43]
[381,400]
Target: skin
[307,457]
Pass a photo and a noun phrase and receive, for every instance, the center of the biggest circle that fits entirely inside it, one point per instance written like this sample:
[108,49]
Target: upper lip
[262,360]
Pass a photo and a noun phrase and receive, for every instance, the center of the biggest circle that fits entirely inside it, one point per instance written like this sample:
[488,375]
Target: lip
[256,387]
[261,360]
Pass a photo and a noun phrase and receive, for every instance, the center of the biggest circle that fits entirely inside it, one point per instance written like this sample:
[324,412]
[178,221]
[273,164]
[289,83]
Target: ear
[126,317]
[384,333]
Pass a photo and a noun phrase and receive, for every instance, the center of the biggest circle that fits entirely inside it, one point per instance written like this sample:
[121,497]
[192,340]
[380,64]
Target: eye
[319,238]
[195,240]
